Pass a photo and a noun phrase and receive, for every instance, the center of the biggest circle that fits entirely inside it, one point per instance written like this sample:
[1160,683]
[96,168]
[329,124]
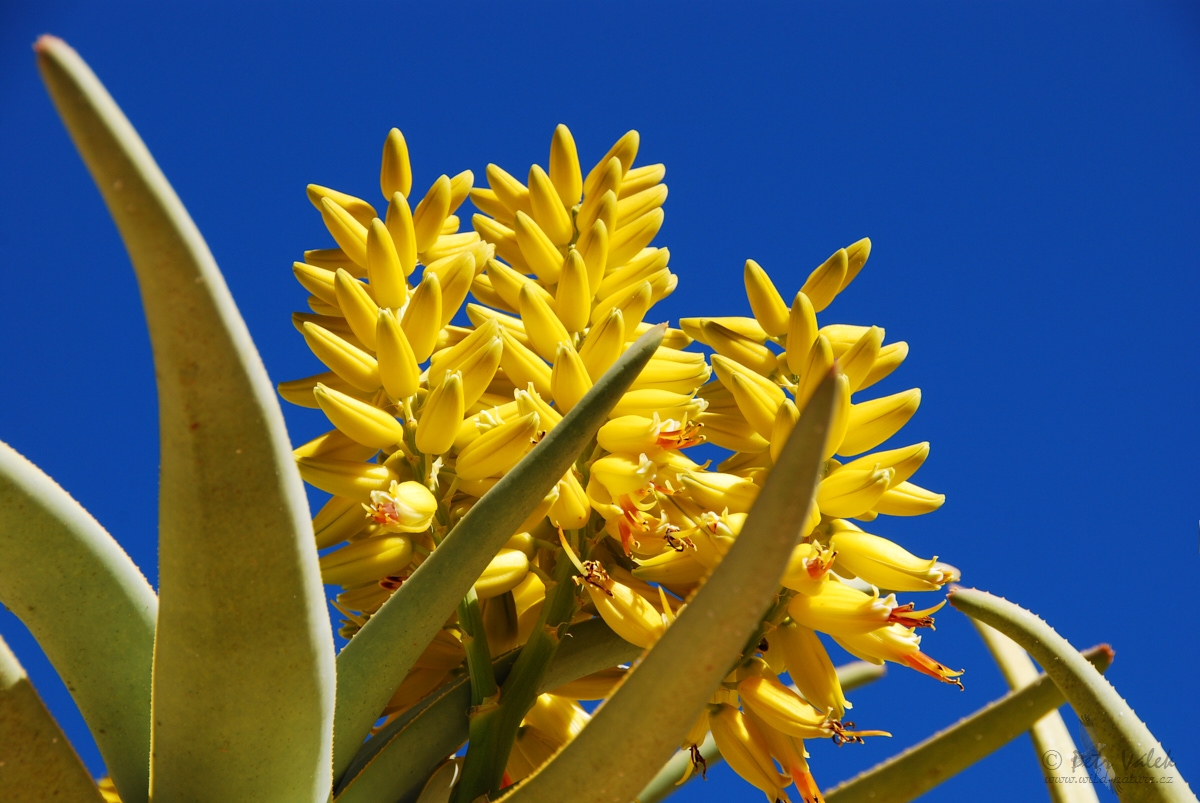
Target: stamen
[905,615]
[843,733]
[699,761]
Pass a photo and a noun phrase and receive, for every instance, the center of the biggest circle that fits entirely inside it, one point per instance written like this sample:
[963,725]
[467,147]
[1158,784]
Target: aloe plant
[187,703]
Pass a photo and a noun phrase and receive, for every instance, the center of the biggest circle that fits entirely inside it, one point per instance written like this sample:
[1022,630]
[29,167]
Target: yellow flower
[406,507]
[430,410]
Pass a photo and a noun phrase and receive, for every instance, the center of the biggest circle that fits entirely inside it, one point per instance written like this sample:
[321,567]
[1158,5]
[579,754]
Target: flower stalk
[494,729]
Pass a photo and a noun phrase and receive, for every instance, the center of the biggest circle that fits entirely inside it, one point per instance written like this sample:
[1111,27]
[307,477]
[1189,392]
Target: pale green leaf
[37,763]
[90,609]
[244,665]
[1122,739]
[920,768]
[853,675]
[374,663]
[1049,734]
[644,721]
[397,759]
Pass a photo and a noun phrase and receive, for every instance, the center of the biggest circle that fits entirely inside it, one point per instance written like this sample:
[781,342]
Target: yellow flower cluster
[428,414]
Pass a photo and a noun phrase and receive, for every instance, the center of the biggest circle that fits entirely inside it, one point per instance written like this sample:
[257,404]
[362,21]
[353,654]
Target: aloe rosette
[517,520]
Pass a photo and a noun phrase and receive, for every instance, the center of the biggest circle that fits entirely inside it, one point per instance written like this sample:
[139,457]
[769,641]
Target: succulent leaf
[1121,737]
[88,606]
[39,763]
[243,659]
[396,760]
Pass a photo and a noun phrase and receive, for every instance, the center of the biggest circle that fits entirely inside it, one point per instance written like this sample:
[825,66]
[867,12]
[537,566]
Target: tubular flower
[447,355]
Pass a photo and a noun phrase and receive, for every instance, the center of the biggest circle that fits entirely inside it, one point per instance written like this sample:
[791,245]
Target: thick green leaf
[397,760]
[88,606]
[918,769]
[243,665]
[644,721]
[374,663]
[37,762]
[1122,739]
[1052,742]
[853,675]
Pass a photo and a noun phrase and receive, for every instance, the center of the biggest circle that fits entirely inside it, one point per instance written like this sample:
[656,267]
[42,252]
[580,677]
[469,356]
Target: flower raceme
[449,354]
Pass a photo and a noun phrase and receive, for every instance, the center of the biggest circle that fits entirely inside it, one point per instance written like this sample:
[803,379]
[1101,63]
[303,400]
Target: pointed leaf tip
[238,712]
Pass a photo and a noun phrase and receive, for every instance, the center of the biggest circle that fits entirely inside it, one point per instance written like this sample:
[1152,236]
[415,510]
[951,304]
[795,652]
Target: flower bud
[366,560]
[398,367]
[906,499]
[746,751]
[348,233]
[337,520]
[882,563]
[826,281]
[717,491]
[801,333]
[564,167]
[544,329]
[873,422]
[503,573]
[740,349]
[423,316]
[455,273]
[363,422]
[571,510]
[431,213]
[441,416]
[573,298]
[349,362]
[523,366]
[811,669]
[845,493]
[496,451]
[387,276]
[569,379]
[396,173]
[765,301]
[548,210]
[352,479]
[538,251]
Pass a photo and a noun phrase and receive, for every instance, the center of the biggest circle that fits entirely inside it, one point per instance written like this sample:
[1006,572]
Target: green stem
[493,729]
[771,621]
[479,659]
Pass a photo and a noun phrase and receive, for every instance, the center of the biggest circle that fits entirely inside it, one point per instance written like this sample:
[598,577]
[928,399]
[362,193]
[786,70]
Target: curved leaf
[89,608]
[918,769]
[698,650]
[851,676]
[1049,734]
[37,762]
[397,760]
[374,663]
[1122,739]
[243,664]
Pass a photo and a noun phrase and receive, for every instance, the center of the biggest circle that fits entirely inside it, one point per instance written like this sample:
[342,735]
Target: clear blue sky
[1027,172]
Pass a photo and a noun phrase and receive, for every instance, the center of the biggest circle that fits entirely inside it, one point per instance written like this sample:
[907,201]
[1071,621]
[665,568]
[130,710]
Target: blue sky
[1027,173]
